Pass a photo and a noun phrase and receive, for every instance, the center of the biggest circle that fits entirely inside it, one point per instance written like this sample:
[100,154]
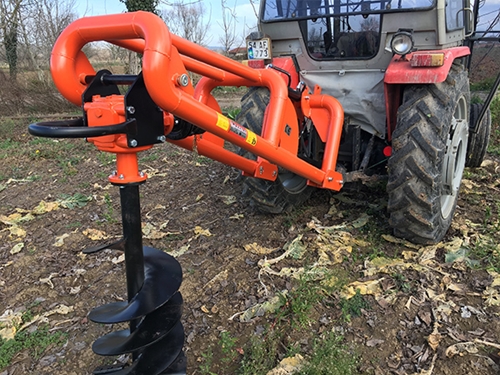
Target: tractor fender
[401,71]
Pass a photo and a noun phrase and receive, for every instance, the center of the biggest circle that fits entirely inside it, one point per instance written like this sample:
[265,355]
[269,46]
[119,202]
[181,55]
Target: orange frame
[167,57]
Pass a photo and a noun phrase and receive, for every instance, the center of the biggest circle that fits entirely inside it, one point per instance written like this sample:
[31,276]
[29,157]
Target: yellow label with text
[251,138]
[222,121]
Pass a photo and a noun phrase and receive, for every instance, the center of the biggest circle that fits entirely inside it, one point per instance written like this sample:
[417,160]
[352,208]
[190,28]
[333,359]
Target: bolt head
[183,80]
[162,138]
[131,109]
[330,179]
[121,177]
[133,143]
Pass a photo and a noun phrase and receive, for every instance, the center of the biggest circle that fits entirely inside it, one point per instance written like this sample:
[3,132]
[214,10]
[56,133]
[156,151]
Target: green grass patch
[35,342]
[484,85]
[228,347]
[352,307]
[495,111]
[494,145]
[105,158]
[8,147]
[7,127]
[298,303]
[232,112]
[330,356]
[484,252]
[207,359]
[260,355]
[295,320]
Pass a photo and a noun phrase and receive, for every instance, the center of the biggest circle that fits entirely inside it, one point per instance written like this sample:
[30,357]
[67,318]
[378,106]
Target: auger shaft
[132,233]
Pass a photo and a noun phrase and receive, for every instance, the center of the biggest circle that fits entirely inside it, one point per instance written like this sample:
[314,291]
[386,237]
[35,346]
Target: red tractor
[399,70]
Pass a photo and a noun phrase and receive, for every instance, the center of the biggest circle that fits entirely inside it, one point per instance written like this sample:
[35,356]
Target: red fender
[401,72]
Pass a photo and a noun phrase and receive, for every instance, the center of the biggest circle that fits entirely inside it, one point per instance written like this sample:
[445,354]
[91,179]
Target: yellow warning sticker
[251,138]
[222,121]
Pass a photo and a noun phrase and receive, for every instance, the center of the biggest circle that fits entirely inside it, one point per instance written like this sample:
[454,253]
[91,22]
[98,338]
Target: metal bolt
[141,174]
[330,179]
[306,98]
[121,177]
[131,109]
[261,170]
[183,80]
[274,173]
[133,143]
[161,138]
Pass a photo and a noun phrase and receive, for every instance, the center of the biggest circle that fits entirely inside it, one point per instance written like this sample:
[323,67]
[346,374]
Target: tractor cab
[344,30]
[346,46]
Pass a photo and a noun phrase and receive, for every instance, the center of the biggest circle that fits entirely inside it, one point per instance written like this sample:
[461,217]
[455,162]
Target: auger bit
[126,125]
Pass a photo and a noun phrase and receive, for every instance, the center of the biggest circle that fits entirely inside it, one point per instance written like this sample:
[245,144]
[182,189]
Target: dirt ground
[422,301]
[425,310]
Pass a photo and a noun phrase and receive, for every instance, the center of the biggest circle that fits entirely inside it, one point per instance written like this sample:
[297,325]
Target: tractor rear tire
[478,142]
[289,189]
[429,152]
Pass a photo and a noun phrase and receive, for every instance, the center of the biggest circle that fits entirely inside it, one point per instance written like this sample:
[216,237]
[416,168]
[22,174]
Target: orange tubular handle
[333,180]
[161,65]
[67,60]
[165,59]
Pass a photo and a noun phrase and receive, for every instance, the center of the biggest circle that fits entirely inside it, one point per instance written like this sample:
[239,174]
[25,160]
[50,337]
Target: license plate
[259,49]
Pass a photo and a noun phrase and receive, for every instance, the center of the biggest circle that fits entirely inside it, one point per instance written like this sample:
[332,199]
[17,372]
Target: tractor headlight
[402,43]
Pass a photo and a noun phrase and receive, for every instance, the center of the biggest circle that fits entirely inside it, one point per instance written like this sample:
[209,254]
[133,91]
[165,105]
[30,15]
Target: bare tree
[42,23]
[254,7]
[187,21]
[9,27]
[229,38]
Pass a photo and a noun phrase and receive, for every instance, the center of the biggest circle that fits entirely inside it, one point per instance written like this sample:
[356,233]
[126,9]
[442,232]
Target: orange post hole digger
[161,105]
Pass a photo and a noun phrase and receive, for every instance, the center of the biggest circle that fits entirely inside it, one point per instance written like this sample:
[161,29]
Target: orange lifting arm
[167,59]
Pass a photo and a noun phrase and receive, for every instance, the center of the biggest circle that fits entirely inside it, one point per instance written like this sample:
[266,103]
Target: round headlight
[402,43]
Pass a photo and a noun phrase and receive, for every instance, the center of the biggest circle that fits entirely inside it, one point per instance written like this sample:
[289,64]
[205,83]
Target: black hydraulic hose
[77,129]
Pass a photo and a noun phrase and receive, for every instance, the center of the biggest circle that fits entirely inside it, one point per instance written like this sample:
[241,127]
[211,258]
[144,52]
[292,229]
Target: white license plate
[259,49]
